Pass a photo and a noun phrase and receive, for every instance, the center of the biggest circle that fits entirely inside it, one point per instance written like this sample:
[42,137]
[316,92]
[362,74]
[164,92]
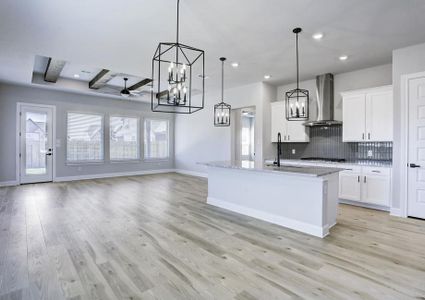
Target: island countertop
[284,169]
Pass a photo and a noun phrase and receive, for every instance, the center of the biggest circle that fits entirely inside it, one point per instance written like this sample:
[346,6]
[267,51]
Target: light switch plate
[293,151]
[369,153]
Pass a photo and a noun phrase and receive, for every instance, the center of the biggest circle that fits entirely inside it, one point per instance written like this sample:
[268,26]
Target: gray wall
[10,95]
[405,61]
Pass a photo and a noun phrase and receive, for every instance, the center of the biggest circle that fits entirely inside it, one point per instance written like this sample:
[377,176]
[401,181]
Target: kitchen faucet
[279,149]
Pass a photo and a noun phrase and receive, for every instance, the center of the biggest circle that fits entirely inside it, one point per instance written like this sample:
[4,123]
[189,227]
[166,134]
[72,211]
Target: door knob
[414,166]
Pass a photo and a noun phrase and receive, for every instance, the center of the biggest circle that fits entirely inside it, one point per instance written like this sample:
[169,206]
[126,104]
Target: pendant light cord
[298,65]
[222,81]
[178,21]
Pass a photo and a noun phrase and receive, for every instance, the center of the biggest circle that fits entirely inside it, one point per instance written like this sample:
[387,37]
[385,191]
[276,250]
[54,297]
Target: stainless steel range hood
[325,102]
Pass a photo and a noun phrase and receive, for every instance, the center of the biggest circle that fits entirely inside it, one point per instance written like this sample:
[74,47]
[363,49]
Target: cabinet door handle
[289,137]
[358,178]
[362,136]
[414,166]
[376,171]
[368,136]
[364,180]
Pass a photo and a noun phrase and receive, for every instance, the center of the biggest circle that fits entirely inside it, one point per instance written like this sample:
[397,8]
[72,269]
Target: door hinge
[19,154]
[20,134]
[20,113]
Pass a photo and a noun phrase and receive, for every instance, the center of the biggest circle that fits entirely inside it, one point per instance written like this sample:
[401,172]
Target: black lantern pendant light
[178,77]
[297,100]
[222,110]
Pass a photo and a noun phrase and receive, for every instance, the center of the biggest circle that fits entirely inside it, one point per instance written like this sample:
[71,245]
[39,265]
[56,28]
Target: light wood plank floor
[154,237]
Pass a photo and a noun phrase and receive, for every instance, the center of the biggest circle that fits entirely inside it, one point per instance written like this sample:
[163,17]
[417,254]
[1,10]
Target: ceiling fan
[128,93]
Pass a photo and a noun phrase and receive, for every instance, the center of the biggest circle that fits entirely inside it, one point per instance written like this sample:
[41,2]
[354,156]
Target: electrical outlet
[293,151]
[369,153]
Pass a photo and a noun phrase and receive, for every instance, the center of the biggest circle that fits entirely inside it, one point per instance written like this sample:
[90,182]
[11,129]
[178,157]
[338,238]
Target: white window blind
[124,138]
[84,137]
[156,139]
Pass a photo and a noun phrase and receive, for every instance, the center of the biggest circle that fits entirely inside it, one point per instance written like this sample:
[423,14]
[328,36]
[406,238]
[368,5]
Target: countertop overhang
[311,171]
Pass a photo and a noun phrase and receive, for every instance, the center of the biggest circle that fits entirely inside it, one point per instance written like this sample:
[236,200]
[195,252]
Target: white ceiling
[123,35]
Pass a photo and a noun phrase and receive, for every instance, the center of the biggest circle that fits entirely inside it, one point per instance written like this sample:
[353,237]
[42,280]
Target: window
[124,138]
[84,138]
[156,139]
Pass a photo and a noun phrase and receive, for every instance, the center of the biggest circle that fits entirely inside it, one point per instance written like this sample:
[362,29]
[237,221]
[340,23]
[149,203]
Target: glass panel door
[36,147]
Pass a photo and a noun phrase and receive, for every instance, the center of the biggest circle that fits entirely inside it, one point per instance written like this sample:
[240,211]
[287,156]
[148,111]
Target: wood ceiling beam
[53,69]
[101,79]
[140,84]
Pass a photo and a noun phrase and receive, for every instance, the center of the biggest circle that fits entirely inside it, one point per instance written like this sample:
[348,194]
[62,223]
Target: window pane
[84,137]
[35,143]
[124,141]
[156,139]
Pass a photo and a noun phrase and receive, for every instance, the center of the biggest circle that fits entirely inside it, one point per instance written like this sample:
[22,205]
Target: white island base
[305,202]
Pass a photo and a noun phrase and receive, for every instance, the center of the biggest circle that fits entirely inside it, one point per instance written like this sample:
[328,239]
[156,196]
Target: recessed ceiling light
[267,76]
[343,57]
[76,76]
[235,64]
[318,36]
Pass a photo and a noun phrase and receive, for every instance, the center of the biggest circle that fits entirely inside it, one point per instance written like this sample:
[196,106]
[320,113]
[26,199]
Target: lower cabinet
[366,184]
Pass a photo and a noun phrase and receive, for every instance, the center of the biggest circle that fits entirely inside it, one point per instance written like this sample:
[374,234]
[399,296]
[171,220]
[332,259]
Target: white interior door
[36,143]
[416,145]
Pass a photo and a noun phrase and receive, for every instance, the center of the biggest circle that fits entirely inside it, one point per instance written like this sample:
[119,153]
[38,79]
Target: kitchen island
[300,198]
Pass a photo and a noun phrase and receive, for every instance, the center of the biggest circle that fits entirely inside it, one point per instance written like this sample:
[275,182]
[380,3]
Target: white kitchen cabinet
[379,116]
[370,185]
[376,186]
[291,131]
[368,115]
[354,117]
[349,185]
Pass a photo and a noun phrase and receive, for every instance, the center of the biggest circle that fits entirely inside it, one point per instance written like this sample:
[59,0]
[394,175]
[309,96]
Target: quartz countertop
[312,171]
[372,163]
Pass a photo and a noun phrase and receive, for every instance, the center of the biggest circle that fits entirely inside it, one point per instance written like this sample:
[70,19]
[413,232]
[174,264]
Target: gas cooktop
[324,159]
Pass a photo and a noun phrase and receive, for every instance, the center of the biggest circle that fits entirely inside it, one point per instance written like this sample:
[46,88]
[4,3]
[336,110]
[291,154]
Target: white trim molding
[111,175]
[191,173]
[362,204]
[8,183]
[275,219]
[396,212]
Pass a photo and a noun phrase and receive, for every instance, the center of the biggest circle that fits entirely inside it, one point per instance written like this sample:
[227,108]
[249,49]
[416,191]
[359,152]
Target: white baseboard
[191,173]
[275,219]
[8,183]
[396,212]
[366,205]
[109,175]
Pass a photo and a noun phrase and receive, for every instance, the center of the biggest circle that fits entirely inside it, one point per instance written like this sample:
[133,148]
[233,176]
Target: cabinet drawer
[376,171]
[350,168]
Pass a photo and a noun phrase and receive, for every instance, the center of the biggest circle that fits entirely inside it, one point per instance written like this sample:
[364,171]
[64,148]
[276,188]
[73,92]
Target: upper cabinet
[368,115]
[291,131]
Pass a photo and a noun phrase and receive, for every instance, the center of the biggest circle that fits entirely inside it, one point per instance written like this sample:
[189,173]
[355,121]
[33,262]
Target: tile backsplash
[327,142]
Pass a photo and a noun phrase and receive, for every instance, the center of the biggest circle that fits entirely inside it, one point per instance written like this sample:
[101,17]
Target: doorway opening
[244,134]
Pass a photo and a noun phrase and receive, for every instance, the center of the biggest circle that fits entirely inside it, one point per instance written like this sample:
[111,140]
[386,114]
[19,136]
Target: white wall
[10,95]
[405,61]
[359,79]
[196,138]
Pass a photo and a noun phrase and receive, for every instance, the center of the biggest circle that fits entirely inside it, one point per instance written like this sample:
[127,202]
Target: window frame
[102,126]
[139,147]
[162,159]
